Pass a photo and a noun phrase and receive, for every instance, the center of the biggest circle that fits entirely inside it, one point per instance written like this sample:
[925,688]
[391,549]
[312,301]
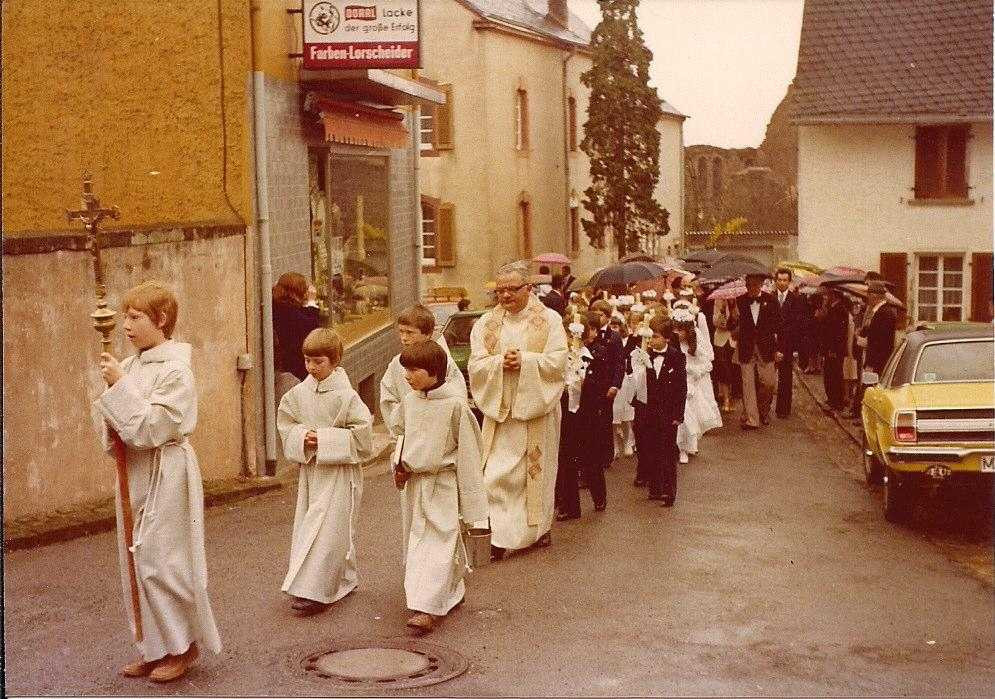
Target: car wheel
[896,497]
[873,468]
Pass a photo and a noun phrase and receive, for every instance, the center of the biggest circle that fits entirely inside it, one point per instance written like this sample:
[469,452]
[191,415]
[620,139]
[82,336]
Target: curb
[840,422]
[97,518]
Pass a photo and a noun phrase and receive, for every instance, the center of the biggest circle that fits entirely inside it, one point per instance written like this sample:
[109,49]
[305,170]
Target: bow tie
[656,353]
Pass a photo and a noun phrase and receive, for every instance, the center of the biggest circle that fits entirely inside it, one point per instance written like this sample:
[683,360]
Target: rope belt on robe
[537,333]
[152,494]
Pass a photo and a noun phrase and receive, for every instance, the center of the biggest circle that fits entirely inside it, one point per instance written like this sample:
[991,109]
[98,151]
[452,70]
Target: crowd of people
[565,384]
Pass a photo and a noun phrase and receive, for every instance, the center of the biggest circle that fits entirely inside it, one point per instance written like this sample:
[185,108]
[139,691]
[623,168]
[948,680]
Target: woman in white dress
[701,412]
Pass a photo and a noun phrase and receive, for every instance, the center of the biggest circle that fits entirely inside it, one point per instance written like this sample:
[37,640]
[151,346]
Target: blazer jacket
[880,334]
[667,393]
[765,335]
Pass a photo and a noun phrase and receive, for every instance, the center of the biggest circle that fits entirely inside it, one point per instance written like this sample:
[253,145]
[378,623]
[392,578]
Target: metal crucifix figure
[91,214]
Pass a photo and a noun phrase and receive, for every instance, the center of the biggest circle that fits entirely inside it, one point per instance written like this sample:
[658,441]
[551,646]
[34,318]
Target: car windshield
[945,362]
[458,329]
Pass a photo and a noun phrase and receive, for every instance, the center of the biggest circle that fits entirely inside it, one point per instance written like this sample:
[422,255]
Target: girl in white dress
[701,412]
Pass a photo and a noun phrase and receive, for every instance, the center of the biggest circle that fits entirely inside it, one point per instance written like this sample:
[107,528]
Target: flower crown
[682,314]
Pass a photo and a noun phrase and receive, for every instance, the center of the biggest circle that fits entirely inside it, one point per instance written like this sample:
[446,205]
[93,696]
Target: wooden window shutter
[956,184]
[445,236]
[981,286]
[443,134]
[894,270]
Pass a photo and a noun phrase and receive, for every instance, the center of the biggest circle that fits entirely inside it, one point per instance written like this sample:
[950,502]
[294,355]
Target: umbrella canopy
[799,268]
[731,267]
[705,256]
[859,289]
[638,256]
[729,290]
[625,273]
[552,258]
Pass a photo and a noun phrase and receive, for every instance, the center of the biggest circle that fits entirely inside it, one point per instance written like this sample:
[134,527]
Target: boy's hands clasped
[311,440]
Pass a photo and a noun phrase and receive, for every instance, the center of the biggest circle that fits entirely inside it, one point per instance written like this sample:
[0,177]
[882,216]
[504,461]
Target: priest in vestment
[517,367]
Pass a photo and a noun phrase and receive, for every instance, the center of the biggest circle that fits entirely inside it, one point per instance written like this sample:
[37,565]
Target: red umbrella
[729,290]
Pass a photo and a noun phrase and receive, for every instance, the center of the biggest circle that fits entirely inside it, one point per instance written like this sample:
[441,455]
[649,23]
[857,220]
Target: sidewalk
[68,523]
[813,385]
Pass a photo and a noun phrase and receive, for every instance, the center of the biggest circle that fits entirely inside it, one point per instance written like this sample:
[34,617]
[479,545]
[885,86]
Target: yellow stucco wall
[132,92]
[669,188]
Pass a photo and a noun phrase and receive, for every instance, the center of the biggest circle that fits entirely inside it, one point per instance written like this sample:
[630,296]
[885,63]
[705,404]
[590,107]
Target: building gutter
[265,254]
[921,119]
[568,248]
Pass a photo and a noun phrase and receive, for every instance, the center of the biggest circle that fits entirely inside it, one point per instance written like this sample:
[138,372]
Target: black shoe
[667,501]
[656,497]
[497,553]
[564,516]
[601,507]
[784,416]
[748,426]
[544,541]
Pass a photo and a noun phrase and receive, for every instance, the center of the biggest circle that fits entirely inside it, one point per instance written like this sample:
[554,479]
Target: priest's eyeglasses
[509,289]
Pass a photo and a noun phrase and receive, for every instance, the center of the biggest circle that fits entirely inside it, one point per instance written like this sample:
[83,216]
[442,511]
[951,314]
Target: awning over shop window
[359,125]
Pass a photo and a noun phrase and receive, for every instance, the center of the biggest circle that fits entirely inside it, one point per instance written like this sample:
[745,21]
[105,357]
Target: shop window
[572,123]
[359,249]
[521,120]
[941,162]
[940,287]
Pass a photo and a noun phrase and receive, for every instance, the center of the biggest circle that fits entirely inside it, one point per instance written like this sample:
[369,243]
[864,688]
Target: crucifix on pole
[91,214]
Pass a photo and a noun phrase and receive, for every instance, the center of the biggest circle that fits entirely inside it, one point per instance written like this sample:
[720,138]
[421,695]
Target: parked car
[457,335]
[930,417]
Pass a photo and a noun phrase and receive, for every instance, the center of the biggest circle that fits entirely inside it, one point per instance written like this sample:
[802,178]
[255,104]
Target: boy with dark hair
[414,325]
[438,466]
[328,431]
[660,380]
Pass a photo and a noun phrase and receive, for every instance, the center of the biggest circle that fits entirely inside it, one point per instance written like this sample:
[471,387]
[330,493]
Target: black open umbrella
[625,273]
[731,267]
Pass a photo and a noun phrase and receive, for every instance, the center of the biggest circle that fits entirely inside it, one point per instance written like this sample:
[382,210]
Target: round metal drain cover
[400,663]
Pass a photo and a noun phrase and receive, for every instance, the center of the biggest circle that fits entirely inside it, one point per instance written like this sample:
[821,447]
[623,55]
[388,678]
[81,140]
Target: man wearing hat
[758,334]
[877,336]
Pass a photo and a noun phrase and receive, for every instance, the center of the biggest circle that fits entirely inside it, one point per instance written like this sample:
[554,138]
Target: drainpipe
[566,152]
[415,116]
[265,256]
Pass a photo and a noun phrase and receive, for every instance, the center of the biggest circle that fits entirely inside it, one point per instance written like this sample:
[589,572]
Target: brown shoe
[173,667]
[138,668]
[422,622]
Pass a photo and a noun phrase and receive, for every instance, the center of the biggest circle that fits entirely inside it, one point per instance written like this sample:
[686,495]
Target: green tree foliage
[620,135]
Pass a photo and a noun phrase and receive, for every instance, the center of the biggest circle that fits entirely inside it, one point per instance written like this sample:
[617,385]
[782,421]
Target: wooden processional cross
[91,214]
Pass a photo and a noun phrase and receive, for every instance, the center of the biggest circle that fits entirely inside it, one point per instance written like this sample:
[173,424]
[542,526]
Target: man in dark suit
[877,336]
[789,303]
[758,330]
[553,298]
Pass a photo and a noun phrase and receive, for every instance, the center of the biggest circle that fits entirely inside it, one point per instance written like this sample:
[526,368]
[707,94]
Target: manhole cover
[392,662]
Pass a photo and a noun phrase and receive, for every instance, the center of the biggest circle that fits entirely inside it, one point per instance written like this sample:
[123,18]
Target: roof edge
[890,119]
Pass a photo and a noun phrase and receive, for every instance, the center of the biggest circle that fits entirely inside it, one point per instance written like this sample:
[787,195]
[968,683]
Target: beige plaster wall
[52,456]
[669,188]
[854,187]
[133,92]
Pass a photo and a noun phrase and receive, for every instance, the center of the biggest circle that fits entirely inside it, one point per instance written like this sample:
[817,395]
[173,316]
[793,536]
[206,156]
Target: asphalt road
[775,574]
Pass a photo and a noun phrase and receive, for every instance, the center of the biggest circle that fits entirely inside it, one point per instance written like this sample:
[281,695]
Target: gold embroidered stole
[536,335]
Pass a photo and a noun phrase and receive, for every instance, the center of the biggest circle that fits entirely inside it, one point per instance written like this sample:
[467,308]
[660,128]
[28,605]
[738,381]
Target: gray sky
[724,63]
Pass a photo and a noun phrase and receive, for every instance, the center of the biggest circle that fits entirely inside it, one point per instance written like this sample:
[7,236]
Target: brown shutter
[981,287]
[893,269]
[956,185]
[927,162]
[443,133]
[445,248]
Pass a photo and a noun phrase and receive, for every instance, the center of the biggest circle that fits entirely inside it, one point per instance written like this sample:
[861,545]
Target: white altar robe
[330,485]
[394,387]
[440,444]
[153,409]
[510,400]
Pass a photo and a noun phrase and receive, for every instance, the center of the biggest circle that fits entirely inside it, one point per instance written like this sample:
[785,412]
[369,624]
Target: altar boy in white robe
[151,406]
[518,356]
[438,466]
[415,324]
[328,431]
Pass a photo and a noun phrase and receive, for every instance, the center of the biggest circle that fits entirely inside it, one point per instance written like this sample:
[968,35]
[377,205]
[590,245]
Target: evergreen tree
[620,135]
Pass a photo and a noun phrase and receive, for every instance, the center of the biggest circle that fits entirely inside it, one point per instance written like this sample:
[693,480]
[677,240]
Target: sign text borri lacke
[340,34]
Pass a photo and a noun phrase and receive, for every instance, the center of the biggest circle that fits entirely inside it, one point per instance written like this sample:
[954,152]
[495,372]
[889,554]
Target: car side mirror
[870,378]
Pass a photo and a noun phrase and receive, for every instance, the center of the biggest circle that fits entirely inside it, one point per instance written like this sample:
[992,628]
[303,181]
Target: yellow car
[930,416]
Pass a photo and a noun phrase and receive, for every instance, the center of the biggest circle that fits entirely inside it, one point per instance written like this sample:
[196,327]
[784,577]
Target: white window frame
[429,228]
[427,116]
[939,307]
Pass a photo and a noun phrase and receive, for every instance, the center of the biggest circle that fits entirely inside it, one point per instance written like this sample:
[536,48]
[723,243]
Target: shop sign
[360,34]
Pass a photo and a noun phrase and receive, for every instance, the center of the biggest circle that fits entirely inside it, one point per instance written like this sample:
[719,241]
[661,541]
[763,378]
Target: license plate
[988,464]
[938,472]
